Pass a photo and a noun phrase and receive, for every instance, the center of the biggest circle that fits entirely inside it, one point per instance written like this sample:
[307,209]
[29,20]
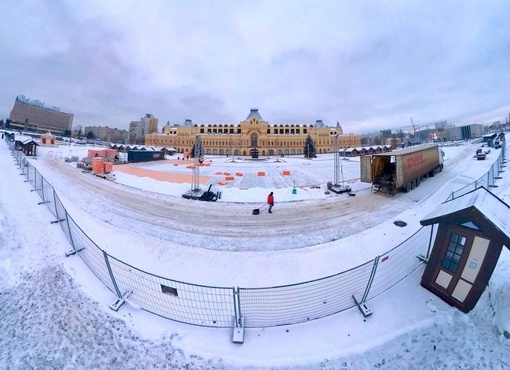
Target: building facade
[33,115]
[138,129]
[151,123]
[467,132]
[136,132]
[253,133]
[112,135]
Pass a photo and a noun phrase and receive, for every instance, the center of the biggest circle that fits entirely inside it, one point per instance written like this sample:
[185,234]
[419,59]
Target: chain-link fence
[224,306]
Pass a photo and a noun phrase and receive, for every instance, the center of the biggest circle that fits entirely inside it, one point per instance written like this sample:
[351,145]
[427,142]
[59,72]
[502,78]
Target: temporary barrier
[98,165]
[96,153]
[108,167]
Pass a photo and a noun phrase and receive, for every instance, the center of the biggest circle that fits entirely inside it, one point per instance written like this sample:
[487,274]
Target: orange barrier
[97,165]
[108,167]
[261,173]
[100,153]
[222,183]
[219,173]
[228,178]
[110,153]
[176,164]
[239,173]
[190,166]
[226,173]
[286,173]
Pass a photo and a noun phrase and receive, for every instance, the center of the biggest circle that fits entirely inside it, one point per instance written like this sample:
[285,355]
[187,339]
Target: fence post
[55,197]
[371,279]
[362,306]
[35,179]
[71,240]
[430,241]
[42,192]
[121,298]
[238,333]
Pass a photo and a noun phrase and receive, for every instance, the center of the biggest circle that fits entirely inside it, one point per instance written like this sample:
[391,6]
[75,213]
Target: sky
[55,311]
[369,66]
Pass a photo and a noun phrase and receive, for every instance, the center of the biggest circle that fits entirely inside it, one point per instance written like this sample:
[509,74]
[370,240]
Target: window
[470,225]
[454,252]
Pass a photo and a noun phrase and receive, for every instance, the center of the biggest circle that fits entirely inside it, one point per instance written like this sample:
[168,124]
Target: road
[193,223]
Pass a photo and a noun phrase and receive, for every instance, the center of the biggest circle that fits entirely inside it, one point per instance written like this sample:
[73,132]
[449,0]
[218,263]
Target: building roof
[22,138]
[254,112]
[482,200]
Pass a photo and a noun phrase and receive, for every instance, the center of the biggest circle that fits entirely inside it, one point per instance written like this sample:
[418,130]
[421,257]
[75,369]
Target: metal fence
[488,180]
[227,306]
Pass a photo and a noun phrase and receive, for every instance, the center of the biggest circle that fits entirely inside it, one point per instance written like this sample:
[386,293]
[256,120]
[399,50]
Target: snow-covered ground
[54,312]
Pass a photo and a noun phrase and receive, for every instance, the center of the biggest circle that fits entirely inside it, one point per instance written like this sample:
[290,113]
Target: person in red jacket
[270,201]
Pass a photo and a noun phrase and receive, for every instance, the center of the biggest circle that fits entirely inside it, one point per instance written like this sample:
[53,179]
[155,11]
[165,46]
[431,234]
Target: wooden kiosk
[472,230]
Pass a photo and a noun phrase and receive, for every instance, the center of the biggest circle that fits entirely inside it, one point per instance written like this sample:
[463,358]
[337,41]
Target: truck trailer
[401,170]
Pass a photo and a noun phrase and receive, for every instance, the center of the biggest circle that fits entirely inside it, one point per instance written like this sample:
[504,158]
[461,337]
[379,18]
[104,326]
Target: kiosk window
[454,252]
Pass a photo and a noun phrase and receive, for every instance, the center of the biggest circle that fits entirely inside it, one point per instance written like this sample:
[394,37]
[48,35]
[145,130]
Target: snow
[54,313]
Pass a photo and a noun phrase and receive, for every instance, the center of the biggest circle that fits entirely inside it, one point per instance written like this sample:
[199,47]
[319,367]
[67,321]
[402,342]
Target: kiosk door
[462,256]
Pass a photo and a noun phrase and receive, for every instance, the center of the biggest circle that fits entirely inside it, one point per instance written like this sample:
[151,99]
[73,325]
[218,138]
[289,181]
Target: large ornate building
[253,133]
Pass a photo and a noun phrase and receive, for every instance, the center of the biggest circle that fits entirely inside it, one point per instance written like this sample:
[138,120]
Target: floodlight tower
[337,161]
[197,155]
[337,188]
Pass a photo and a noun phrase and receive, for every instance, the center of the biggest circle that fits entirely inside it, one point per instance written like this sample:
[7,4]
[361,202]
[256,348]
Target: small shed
[48,139]
[351,152]
[472,230]
[170,150]
[26,144]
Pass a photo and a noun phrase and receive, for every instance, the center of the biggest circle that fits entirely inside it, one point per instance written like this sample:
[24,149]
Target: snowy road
[192,223]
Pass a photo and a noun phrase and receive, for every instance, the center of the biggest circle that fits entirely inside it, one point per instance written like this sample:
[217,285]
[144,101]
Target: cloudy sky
[367,65]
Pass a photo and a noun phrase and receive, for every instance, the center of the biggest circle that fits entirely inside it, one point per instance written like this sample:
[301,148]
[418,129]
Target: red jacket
[270,199]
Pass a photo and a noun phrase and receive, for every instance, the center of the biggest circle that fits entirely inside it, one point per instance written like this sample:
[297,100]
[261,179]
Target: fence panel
[175,300]
[90,253]
[49,196]
[31,175]
[399,262]
[38,183]
[63,221]
[292,304]
[60,211]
